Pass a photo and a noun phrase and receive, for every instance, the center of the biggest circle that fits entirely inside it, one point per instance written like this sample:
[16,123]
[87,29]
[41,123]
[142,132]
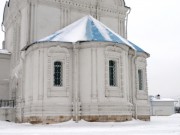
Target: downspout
[22,84]
[127,14]
[134,82]
[75,101]
[43,91]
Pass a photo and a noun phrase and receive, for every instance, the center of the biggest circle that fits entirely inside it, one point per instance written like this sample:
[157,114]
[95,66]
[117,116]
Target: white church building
[70,59]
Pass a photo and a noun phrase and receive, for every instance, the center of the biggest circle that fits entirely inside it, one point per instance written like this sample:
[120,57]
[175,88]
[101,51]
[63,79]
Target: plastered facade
[86,93]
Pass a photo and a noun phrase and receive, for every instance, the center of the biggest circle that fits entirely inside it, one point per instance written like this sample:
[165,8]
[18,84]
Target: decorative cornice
[141,61]
[57,50]
[143,54]
[102,10]
[88,6]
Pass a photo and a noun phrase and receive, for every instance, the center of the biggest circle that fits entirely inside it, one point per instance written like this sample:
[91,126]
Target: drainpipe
[134,82]
[127,20]
[75,101]
[136,111]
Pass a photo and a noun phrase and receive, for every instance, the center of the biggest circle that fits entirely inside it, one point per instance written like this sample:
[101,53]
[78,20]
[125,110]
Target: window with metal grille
[140,78]
[112,73]
[58,81]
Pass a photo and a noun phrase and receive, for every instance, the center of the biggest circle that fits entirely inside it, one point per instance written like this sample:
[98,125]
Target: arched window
[112,73]
[58,74]
[140,79]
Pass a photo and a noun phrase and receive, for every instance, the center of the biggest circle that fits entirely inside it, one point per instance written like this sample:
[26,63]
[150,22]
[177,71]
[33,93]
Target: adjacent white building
[87,69]
[4,74]
[6,110]
[162,106]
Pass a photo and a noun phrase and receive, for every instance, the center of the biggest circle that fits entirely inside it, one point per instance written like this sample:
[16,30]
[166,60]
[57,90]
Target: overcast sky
[154,25]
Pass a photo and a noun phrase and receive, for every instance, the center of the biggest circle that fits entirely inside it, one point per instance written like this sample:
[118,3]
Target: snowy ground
[157,126]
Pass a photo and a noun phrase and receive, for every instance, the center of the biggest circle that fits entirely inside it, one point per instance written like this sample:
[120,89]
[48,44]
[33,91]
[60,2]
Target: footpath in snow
[164,125]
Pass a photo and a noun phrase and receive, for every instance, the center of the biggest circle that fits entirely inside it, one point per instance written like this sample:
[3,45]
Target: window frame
[58,53]
[114,74]
[116,54]
[140,79]
[60,72]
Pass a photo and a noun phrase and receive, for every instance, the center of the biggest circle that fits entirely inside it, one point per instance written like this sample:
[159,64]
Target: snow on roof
[163,99]
[88,29]
[2,51]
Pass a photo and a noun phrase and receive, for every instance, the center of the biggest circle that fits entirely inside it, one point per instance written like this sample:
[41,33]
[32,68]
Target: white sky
[154,25]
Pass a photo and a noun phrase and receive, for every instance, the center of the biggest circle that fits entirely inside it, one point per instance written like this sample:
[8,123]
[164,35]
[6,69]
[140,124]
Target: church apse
[74,63]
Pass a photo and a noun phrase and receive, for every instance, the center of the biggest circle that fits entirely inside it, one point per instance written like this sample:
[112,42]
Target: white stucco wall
[85,68]
[85,81]
[47,21]
[4,75]
[49,15]
[116,26]
[24,27]
[7,114]
[162,108]
[38,18]
[38,89]
[9,38]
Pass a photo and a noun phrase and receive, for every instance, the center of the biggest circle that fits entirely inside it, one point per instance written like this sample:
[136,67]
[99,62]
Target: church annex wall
[85,94]
[41,99]
[97,97]
[4,75]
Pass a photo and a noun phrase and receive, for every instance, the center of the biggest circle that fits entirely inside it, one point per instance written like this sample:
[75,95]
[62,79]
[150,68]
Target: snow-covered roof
[163,99]
[2,51]
[88,29]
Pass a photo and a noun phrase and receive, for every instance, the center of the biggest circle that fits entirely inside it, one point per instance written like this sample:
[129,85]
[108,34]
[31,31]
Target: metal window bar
[7,103]
[58,74]
[140,77]
[112,73]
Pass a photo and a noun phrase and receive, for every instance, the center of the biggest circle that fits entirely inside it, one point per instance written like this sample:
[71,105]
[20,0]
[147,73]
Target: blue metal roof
[88,29]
